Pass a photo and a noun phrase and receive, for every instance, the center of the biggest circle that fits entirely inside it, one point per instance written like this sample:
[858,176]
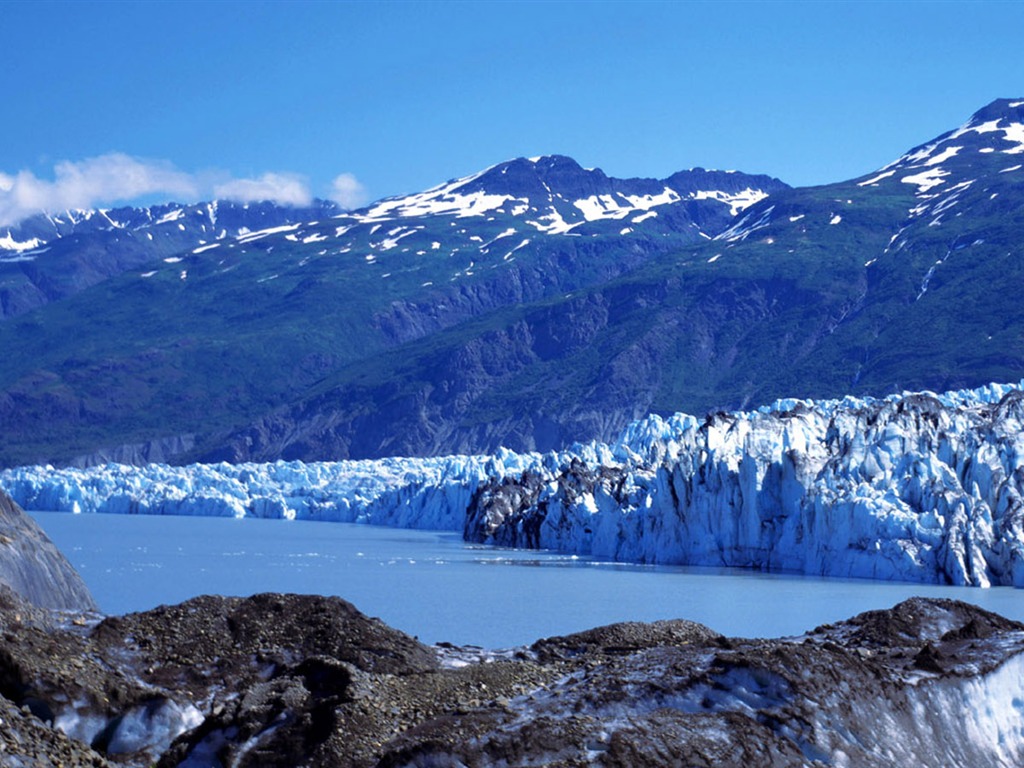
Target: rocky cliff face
[33,567]
[286,680]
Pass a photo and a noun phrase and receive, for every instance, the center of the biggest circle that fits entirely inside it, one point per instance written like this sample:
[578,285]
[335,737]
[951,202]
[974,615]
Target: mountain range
[530,305]
[49,257]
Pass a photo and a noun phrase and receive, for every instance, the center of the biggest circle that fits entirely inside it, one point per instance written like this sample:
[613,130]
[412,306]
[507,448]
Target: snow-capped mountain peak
[51,256]
[197,221]
[555,195]
[991,132]
[976,168]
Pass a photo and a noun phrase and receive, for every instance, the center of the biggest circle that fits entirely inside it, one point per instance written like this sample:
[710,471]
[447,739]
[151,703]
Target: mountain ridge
[347,286]
[48,257]
[461,319]
[880,246]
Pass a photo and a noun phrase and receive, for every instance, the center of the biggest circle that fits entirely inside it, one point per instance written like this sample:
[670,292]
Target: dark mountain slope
[902,279]
[211,338]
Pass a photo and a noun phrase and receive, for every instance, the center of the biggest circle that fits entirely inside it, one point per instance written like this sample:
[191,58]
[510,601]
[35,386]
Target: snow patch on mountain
[248,237]
[737,201]
[448,198]
[876,179]
[552,223]
[197,221]
[1014,133]
[999,126]
[747,225]
[171,216]
[8,243]
[944,155]
[551,189]
[926,180]
[608,207]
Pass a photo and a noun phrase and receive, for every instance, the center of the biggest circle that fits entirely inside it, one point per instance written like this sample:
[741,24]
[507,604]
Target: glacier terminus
[918,487]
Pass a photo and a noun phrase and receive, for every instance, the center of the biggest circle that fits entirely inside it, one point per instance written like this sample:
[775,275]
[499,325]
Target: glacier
[918,487]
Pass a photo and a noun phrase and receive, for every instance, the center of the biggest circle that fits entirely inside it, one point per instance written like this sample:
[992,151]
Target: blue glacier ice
[919,486]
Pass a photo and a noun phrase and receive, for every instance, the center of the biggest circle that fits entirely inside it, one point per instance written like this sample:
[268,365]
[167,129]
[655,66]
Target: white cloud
[348,192]
[284,188]
[88,184]
[117,178]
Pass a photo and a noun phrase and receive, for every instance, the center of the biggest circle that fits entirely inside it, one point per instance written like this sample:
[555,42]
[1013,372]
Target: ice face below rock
[287,680]
[917,487]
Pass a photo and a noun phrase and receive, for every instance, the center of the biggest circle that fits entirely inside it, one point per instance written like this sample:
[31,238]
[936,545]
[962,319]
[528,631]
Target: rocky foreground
[291,680]
[288,680]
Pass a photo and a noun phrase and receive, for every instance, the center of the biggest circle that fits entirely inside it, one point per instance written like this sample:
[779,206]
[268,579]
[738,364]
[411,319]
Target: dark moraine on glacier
[439,588]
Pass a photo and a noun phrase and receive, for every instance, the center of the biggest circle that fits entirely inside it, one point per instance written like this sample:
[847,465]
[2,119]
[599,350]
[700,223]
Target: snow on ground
[247,237]
[745,227]
[449,198]
[737,201]
[618,206]
[876,179]
[926,180]
[8,243]
[177,213]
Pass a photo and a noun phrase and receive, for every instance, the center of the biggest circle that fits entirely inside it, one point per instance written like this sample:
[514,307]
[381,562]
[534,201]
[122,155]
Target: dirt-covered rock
[625,637]
[289,680]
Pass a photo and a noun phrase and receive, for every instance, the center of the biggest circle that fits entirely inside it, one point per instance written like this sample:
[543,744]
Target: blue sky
[109,102]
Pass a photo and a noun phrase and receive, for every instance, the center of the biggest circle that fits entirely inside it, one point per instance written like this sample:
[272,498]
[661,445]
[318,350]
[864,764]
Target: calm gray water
[436,587]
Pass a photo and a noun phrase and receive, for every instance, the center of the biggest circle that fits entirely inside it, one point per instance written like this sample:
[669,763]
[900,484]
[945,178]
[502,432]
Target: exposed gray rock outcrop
[33,567]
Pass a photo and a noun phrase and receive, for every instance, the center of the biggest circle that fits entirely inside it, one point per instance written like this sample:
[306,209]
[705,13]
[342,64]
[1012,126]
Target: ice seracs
[918,487]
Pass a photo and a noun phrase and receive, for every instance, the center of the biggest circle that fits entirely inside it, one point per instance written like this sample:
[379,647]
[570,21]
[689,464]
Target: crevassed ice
[917,487]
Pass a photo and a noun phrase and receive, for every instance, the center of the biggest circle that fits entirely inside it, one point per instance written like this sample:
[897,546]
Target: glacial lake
[438,588]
